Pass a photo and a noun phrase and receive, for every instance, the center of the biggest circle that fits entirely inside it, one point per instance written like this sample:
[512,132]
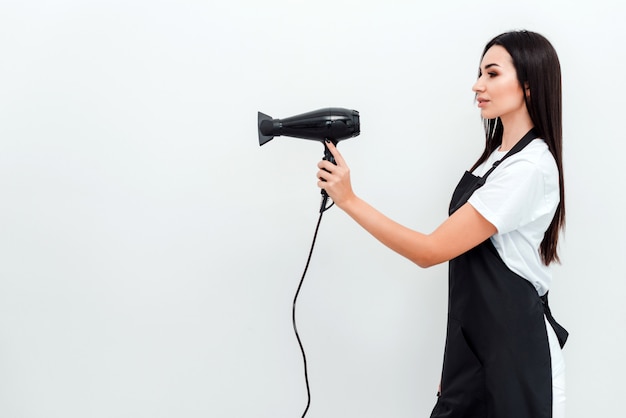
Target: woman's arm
[461,232]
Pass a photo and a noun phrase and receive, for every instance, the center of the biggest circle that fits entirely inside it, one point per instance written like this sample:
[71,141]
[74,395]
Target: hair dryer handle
[328,156]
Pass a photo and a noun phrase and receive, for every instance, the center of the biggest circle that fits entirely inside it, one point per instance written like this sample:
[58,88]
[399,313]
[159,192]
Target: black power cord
[323,209]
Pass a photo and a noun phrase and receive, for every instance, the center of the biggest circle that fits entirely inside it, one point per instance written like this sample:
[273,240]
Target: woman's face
[498,92]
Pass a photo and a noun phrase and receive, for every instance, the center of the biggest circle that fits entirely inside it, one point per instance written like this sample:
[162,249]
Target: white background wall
[150,250]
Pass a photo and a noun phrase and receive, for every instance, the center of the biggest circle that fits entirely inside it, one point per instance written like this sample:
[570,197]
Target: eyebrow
[491,65]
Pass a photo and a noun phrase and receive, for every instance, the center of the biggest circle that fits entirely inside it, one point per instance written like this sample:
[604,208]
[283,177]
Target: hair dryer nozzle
[266,128]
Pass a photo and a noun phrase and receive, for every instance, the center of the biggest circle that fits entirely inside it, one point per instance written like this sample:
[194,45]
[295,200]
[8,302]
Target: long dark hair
[538,69]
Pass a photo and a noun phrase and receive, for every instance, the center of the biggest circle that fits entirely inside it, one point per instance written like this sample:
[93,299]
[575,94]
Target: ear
[527,90]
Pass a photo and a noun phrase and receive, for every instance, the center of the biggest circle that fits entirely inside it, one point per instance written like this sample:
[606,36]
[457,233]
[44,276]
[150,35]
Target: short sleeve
[513,195]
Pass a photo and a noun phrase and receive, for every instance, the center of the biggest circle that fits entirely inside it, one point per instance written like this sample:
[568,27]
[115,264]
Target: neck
[514,128]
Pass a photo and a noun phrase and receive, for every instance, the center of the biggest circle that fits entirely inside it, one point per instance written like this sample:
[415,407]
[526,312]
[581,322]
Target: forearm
[411,244]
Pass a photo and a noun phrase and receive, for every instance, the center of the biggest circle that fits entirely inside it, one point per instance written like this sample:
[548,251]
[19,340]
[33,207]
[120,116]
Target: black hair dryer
[332,123]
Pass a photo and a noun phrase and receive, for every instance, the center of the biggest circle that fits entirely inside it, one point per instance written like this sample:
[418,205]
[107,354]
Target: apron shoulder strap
[474,182]
[521,144]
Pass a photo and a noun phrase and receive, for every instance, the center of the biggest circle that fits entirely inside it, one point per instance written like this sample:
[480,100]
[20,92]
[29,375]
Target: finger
[326,166]
[323,178]
[323,175]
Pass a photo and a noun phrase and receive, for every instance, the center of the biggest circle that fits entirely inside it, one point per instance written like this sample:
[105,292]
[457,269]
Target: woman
[502,357]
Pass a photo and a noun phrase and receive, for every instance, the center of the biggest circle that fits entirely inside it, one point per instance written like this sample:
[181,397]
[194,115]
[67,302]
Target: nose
[478,86]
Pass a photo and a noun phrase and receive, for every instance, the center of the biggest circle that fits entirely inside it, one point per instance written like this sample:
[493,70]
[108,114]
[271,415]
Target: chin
[486,114]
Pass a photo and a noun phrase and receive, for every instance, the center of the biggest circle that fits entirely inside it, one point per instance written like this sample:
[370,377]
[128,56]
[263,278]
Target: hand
[335,179]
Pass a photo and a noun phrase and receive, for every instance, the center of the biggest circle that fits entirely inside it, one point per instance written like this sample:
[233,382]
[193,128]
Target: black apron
[497,357]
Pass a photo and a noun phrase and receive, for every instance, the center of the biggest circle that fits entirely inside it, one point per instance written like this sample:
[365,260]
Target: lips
[482,101]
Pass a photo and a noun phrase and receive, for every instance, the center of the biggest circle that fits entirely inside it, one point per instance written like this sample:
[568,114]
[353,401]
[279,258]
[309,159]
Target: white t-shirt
[520,198]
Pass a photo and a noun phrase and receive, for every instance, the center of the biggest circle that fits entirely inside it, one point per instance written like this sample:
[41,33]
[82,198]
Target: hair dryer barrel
[331,123]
